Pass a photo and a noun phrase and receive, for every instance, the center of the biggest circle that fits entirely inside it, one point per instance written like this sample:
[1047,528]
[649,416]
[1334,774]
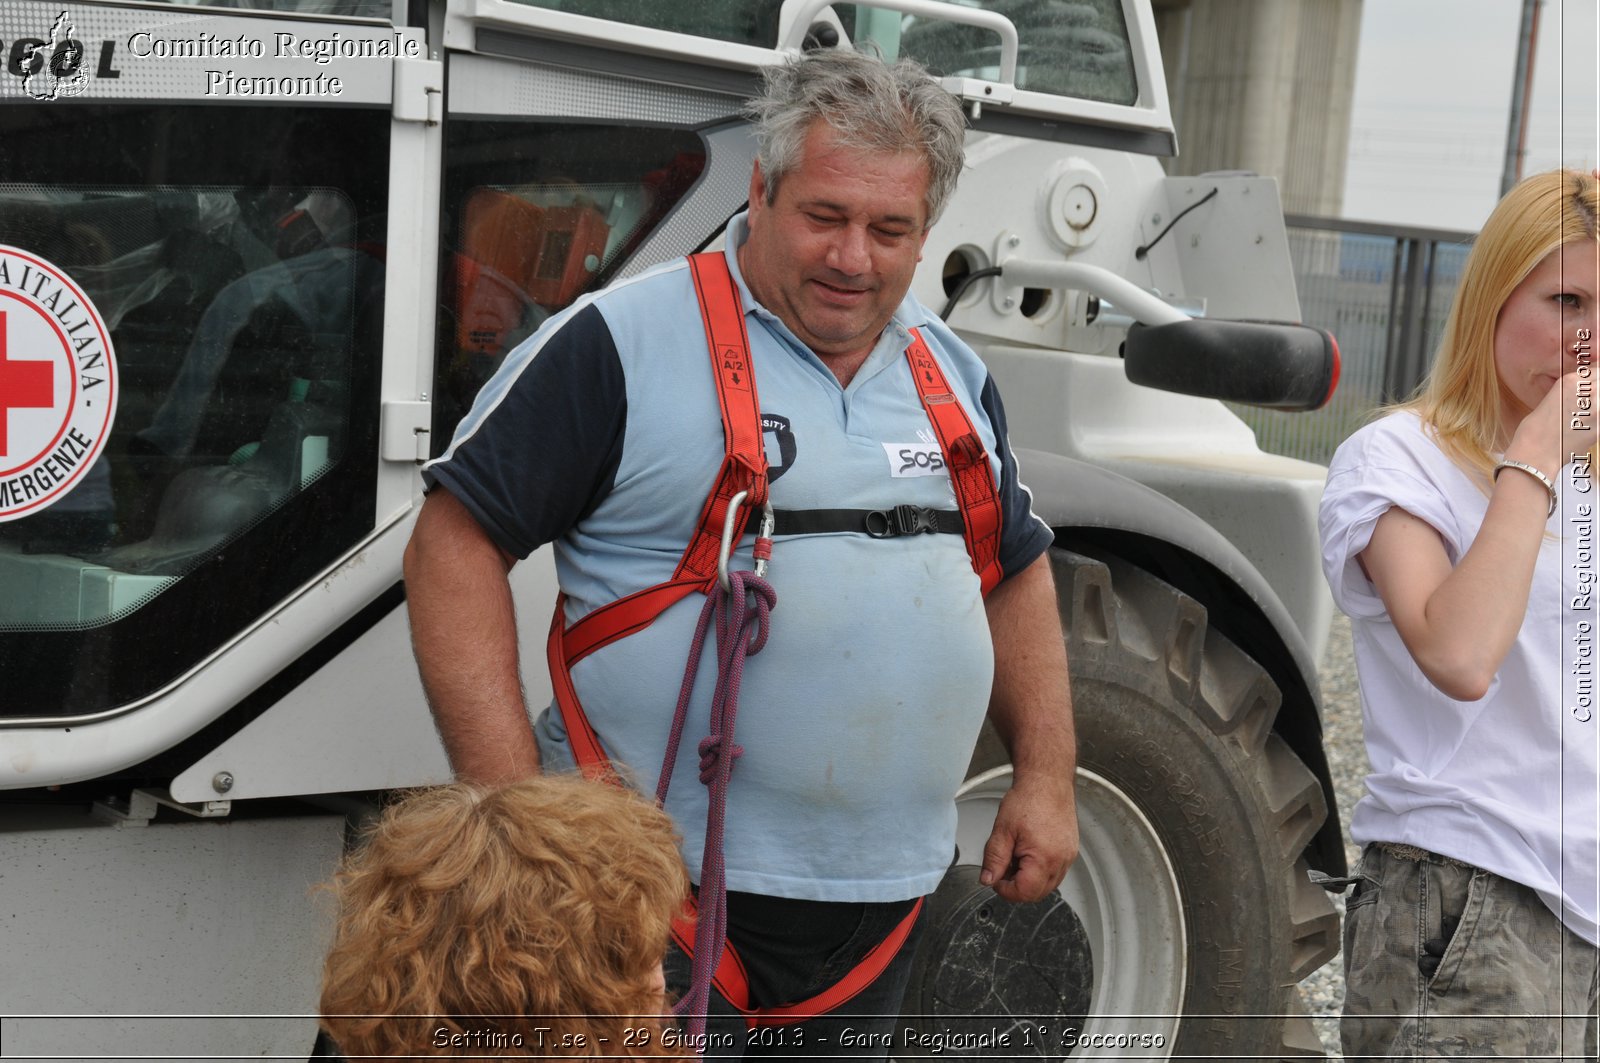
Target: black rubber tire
[1180,720]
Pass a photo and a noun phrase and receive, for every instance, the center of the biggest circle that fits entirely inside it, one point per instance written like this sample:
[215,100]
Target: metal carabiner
[768,522]
[726,549]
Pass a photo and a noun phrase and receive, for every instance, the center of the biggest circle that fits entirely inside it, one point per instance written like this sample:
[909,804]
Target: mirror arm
[1141,305]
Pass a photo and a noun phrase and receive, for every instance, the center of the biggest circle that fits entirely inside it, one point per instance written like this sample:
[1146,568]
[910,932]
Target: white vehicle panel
[366,708]
[1233,251]
[1192,450]
[172,912]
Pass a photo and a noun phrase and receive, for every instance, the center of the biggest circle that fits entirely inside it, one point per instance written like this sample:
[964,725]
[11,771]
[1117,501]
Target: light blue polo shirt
[602,434]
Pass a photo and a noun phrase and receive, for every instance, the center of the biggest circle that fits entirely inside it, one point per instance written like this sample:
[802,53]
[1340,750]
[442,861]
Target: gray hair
[871,105]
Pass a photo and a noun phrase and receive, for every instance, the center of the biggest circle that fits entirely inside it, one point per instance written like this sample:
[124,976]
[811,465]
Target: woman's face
[1548,315]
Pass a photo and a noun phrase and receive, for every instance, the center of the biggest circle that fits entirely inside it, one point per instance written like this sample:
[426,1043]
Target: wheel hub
[987,967]
[1101,962]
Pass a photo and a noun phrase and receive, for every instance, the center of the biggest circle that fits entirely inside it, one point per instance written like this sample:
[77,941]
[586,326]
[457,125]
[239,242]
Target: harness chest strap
[744,468]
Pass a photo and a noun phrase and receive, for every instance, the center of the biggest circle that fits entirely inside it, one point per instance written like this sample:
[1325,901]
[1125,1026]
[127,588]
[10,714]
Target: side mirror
[1259,363]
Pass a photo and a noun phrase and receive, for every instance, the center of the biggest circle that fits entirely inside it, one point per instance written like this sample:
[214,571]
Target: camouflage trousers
[1445,959]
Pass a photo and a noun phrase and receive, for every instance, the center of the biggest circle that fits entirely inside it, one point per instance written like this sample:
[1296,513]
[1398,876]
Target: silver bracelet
[1537,474]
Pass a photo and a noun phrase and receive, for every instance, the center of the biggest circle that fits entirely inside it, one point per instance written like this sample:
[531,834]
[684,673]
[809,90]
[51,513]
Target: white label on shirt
[914,459]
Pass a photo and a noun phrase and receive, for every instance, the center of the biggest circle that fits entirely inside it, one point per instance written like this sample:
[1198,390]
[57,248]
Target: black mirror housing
[1276,365]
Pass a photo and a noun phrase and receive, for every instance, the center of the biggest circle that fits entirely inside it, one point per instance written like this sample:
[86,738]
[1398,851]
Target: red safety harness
[744,469]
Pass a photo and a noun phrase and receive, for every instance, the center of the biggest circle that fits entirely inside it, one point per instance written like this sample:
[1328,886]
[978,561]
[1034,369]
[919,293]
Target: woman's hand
[1459,620]
[1559,429]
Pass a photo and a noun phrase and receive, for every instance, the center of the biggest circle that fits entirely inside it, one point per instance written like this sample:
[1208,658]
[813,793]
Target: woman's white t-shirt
[1507,782]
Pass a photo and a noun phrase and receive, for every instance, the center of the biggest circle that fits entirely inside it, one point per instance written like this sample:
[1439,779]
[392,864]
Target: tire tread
[1126,621]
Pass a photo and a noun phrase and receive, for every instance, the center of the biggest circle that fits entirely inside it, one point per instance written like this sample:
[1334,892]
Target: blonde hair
[473,915]
[1460,399]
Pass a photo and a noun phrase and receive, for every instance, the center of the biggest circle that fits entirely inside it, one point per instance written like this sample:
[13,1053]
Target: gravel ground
[1347,759]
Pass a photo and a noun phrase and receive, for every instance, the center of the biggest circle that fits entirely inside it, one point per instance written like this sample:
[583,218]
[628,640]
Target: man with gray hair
[886,649]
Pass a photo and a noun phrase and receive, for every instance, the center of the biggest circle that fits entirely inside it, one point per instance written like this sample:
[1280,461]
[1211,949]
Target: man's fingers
[1016,876]
[1028,882]
[1021,861]
[997,857]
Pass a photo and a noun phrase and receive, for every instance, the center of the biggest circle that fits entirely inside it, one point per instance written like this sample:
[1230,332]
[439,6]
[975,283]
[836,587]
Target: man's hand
[1035,837]
[1034,841]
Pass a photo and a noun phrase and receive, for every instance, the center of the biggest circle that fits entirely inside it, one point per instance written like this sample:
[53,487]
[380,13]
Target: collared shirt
[601,434]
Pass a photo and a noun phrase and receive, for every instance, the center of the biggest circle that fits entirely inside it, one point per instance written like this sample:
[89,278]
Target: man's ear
[758,189]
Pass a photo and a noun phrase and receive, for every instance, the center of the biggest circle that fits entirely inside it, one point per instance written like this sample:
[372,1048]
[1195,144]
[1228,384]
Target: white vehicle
[281,249]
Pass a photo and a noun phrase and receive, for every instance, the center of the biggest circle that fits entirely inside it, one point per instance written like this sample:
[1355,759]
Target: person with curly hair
[529,919]
[1458,534]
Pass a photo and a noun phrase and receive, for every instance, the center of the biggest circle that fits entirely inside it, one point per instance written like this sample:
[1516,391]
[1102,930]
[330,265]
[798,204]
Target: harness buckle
[901,520]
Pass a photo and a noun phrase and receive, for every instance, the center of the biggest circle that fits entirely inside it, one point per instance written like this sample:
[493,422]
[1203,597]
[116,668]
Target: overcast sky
[1432,101]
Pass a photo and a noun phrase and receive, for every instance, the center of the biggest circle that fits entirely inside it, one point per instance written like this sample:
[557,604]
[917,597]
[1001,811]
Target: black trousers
[792,950]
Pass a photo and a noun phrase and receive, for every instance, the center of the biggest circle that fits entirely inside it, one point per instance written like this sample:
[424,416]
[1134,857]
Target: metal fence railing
[1384,293]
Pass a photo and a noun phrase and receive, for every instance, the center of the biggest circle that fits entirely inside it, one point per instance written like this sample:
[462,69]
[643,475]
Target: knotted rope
[741,618]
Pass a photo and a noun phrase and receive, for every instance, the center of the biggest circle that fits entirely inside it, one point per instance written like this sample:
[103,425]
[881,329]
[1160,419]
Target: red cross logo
[23,386]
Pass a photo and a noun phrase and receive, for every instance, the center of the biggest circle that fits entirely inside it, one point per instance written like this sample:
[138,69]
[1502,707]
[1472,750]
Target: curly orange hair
[522,920]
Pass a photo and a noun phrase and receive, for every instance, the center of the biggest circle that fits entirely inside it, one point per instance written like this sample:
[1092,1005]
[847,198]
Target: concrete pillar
[1264,85]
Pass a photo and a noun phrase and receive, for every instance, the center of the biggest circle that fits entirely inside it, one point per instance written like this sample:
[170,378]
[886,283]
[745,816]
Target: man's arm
[536,454]
[1035,836]
[464,632]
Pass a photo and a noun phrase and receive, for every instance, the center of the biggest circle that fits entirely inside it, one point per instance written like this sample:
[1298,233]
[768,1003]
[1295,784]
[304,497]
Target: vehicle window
[1066,49]
[237,267]
[536,214]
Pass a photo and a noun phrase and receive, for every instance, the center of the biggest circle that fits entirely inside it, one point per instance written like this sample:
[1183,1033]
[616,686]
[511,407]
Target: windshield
[1076,49]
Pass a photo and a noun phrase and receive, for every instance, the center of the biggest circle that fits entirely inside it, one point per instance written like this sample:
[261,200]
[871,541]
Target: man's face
[832,255]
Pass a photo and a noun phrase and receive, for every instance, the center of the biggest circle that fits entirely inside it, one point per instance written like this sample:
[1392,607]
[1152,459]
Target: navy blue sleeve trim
[548,452]
[1023,536]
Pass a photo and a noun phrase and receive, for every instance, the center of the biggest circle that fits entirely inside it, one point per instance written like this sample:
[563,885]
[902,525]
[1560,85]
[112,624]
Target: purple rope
[741,633]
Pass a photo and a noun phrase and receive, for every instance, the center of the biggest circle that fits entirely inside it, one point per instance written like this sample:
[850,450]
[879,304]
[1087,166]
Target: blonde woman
[524,920]
[1458,534]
